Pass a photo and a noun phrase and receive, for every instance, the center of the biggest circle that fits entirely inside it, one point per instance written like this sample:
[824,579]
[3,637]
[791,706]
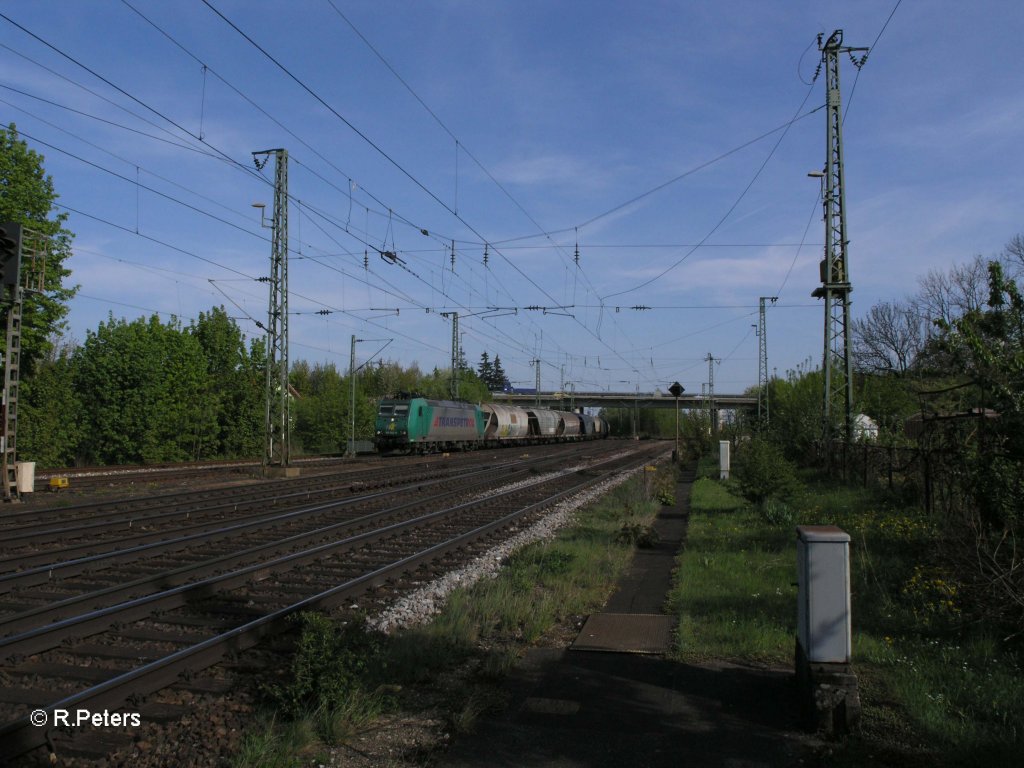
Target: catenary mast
[835,286]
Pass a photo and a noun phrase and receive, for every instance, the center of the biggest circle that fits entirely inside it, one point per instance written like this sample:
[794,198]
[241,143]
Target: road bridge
[565,401]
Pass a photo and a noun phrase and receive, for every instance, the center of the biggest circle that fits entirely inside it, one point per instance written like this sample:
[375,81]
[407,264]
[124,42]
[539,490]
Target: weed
[636,535]
[777,513]
[276,746]
[497,663]
[464,719]
[339,723]
[327,666]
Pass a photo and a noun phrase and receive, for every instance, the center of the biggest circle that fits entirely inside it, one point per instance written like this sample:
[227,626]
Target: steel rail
[50,635]
[43,566]
[21,736]
[57,610]
[42,569]
[113,511]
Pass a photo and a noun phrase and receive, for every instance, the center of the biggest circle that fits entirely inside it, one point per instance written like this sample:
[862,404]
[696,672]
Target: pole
[536,362]
[352,382]
[277,425]
[835,273]
[677,427]
[762,366]
[712,412]
[453,384]
[636,412]
[676,390]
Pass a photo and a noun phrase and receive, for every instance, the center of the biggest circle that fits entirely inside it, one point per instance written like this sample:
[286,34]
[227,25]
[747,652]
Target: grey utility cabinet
[823,593]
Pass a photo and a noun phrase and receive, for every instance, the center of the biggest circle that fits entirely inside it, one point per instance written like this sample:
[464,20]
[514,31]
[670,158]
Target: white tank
[544,423]
[570,424]
[505,422]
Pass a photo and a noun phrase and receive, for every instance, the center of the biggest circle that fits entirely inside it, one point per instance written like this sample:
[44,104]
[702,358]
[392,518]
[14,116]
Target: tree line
[146,391]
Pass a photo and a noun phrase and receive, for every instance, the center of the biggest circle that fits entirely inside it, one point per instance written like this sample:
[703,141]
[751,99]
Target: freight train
[416,424]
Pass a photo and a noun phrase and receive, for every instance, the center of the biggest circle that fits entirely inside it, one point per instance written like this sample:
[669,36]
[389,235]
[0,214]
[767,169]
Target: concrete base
[829,700]
[279,472]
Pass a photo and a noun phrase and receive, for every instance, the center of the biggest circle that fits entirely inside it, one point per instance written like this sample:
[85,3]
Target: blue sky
[533,128]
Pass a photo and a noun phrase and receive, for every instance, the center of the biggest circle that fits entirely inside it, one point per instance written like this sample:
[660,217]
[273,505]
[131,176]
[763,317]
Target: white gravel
[427,601]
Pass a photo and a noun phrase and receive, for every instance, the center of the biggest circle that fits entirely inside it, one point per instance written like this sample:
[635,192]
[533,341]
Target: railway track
[132,480]
[91,632]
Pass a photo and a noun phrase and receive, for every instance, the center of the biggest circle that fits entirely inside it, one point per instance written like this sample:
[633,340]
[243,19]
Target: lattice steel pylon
[835,269]
[453,386]
[24,254]
[762,364]
[278,411]
[12,379]
[712,411]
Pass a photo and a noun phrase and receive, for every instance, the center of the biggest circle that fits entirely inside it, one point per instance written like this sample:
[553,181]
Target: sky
[622,181]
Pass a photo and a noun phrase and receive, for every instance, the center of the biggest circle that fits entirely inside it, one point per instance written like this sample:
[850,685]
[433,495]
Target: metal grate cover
[625,633]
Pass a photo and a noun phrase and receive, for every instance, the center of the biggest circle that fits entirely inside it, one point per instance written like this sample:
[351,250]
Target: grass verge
[935,692]
[342,679]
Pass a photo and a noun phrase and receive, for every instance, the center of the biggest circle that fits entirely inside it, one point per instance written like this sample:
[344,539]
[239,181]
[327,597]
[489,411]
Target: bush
[329,663]
[764,473]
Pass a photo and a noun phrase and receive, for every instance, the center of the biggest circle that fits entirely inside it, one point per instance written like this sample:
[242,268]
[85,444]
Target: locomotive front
[391,429]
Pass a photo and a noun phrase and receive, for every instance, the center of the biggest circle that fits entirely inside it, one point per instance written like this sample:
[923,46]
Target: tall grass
[732,590]
[935,690]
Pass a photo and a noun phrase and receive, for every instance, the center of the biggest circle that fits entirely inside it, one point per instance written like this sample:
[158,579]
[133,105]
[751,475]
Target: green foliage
[777,513]
[889,400]
[637,535]
[323,412]
[329,665]
[51,412]
[764,473]
[233,393]
[955,691]
[796,416]
[28,199]
[984,514]
[141,381]
[659,423]
[491,374]
[437,386]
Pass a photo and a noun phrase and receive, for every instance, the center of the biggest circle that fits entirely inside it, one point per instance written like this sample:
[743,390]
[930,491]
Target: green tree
[323,411]
[51,412]
[485,371]
[498,380]
[27,197]
[796,412]
[142,381]
[388,378]
[234,393]
[764,473]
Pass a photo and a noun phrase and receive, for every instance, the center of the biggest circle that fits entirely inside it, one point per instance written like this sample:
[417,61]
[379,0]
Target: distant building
[865,429]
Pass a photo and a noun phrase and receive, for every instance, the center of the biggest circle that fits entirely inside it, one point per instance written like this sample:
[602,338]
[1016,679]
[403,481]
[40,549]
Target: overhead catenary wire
[455,282]
[364,239]
[729,211]
[376,147]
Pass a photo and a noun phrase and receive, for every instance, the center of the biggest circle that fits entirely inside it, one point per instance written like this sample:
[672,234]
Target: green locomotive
[418,424]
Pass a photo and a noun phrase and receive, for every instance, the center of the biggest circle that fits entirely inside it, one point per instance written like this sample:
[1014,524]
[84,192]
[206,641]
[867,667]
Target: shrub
[764,473]
[327,668]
